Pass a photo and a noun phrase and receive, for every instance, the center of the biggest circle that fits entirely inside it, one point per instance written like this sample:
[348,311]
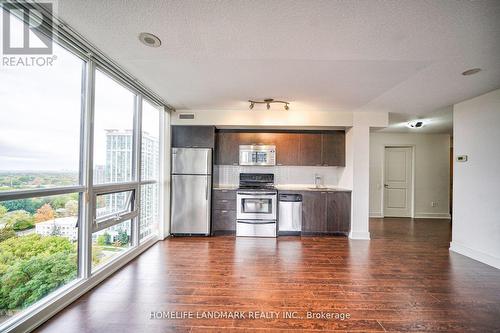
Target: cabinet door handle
[223,201]
[223,211]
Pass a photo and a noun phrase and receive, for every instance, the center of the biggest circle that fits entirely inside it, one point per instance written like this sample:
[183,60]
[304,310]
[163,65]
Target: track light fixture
[268,102]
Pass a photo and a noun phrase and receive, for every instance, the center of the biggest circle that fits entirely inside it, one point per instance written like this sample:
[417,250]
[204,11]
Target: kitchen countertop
[290,187]
[225,187]
[300,187]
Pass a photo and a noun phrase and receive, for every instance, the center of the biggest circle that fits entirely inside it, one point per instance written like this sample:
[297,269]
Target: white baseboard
[376,215]
[432,216]
[361,235]
[474,254]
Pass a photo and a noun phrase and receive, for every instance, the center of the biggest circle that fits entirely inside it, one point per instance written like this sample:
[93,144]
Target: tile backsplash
[283,175]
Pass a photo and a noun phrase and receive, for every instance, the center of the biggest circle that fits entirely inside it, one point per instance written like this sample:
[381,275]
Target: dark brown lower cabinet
[338,212]
[223,211]
[326,212]
[314,212]
[223,221]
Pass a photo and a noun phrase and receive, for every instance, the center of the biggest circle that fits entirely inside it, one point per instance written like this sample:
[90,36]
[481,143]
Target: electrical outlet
[434,204]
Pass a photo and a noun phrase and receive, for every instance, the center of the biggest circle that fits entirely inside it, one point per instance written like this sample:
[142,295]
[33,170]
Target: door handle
[386,185]
[206,191]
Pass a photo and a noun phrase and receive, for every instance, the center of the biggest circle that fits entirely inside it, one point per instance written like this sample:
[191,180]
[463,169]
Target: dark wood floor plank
[404,279]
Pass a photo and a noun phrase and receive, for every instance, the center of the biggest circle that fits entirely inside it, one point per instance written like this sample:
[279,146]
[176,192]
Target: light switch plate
[462,158]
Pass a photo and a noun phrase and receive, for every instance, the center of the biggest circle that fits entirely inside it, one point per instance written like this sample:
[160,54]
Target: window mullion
[87,211]
[137,149]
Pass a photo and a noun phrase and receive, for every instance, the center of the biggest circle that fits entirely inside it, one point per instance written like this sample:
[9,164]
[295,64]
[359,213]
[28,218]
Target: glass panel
[113,131]
[40,110]
[113,203]
[110,243]
[38,249]
[257,206]
[150,161]
[150,215]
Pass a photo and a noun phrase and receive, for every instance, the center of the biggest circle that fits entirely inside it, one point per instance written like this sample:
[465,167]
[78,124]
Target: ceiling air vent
[186,115]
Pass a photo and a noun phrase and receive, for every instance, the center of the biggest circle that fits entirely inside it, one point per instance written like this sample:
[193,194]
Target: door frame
[382,196]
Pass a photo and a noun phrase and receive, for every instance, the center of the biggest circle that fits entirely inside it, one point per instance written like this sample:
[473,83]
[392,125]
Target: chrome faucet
[317,180]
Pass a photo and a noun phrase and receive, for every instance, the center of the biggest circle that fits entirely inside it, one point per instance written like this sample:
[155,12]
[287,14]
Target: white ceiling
[397,56]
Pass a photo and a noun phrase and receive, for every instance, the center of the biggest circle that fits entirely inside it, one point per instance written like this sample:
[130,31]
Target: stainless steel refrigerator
[191,191]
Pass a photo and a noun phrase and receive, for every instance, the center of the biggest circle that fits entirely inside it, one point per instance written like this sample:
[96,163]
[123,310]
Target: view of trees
[24,180]
[18,220]
[32,266]
[44,213]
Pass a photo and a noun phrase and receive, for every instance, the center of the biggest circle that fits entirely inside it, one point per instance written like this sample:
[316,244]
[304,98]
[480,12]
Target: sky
[40,111]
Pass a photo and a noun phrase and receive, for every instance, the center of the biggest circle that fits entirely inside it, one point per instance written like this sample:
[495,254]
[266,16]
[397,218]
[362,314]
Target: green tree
[32,266]
[18,220]
[27,281]
[122,237]
[6,233]
[104,239]
[29,205]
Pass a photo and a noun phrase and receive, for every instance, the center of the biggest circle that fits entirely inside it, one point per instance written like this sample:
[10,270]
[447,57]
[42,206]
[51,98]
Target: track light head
[268,102]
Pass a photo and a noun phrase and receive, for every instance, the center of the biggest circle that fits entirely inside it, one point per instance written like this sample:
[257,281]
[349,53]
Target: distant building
[63,226]
[99,174]
[119,169]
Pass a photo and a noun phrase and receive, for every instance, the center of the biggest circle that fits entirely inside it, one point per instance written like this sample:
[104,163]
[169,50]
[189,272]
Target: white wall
[476,187]
[283,175]
[432,172]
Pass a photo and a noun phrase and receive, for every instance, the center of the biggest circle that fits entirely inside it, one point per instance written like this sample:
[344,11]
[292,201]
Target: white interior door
[398,190]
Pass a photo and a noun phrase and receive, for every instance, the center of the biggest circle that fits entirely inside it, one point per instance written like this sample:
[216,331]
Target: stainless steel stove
[257,201]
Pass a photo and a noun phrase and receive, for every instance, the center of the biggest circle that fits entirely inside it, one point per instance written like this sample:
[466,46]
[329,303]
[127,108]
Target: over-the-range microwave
[257,155]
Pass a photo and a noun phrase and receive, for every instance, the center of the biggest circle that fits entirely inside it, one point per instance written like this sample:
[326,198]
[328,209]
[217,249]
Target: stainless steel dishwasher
[290,214]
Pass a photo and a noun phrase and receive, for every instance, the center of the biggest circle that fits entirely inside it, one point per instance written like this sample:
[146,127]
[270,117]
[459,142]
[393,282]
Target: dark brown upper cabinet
[287,152]
[227,148]
[333,148]
[310,149]
[193,136]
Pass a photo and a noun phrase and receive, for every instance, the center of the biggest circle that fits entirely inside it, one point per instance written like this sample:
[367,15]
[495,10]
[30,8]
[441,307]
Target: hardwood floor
[404,279]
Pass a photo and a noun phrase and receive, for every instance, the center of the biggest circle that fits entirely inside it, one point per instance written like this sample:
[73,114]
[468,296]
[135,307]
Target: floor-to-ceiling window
[80,153]
[40,114]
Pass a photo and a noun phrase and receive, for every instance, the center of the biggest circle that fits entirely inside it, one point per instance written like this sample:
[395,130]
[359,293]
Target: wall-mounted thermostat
[462,158]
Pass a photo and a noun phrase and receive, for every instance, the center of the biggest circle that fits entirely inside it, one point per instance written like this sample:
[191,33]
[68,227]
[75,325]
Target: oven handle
[256,221]
[256,193]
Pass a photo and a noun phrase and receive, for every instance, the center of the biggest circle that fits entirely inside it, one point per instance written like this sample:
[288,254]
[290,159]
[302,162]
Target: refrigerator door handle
[206,190]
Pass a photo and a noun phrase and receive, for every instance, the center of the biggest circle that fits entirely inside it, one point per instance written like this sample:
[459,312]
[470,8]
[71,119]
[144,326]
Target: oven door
[256,205]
